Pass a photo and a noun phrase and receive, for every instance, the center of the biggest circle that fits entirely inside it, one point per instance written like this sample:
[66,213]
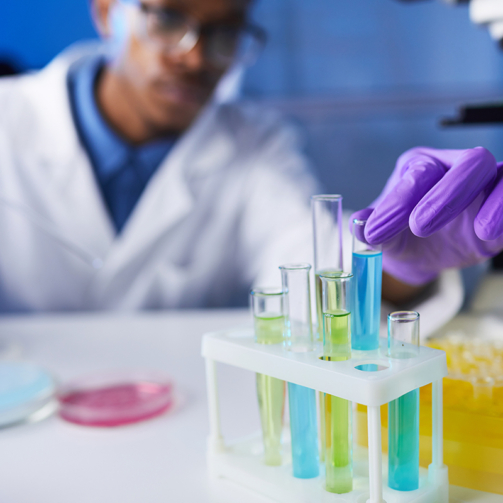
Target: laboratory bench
[159,460]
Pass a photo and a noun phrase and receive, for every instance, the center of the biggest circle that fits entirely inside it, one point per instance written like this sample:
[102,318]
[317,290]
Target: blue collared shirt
[122,170]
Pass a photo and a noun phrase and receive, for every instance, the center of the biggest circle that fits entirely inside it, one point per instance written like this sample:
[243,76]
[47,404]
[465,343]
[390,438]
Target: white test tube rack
[242,461]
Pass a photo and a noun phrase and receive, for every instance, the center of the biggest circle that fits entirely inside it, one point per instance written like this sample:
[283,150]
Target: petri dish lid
[25,390]
[116,399]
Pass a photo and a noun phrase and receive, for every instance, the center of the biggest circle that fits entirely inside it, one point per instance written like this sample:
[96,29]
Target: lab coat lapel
[168,198]
[60,167]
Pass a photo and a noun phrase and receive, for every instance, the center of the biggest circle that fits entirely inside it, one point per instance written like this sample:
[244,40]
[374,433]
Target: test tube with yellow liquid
[327,234]
[269,322]
[336,297]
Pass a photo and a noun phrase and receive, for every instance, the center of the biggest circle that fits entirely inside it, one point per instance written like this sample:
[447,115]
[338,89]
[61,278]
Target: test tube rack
[241,461]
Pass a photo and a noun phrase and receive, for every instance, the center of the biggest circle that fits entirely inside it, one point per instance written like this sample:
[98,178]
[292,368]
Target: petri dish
[27,393]
[115,399]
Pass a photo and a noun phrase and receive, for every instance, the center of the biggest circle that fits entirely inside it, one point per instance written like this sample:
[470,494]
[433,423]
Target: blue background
[364,79]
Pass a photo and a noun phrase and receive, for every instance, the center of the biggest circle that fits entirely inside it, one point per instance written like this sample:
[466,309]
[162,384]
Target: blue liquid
[403,438]
[366,312]
[304,429]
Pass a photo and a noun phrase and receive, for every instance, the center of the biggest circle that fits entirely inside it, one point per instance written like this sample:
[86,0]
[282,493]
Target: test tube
[302,400]
[327,235]
[403,413]
[367,272]
[269,320]
[336,294]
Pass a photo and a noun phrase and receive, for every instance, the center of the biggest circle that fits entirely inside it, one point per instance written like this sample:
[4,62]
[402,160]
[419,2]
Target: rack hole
[371,367]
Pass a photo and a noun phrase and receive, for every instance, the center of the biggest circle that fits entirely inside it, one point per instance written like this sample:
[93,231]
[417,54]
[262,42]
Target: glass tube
[336,294]
[268,314]
[327,235]
[403,413]
[302,400]
[367,272]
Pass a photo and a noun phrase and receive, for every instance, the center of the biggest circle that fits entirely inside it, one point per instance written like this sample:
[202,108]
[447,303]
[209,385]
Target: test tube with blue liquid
[336,293]
[327,235]
[269,322]
[403,413]
[367,272]
[301,400]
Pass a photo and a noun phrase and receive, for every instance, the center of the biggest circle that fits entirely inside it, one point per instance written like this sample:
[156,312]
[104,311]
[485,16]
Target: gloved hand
[439,209]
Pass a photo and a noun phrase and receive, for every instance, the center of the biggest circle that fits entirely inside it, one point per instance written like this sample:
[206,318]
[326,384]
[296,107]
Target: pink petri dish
[115,399]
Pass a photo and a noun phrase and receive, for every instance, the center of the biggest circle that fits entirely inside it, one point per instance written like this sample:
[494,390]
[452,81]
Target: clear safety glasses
[175,33]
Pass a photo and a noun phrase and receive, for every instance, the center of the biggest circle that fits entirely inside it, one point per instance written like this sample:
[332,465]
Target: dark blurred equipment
[486,113]
[7,68]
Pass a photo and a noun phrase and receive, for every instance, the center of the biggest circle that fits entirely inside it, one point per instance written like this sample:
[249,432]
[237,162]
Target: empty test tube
[269,321]
[336,293]
[366,306]
[403,413]
[302,400]
[327,235]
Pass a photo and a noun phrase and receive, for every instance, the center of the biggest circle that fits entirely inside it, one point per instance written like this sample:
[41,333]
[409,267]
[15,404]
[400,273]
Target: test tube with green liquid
[403,413]
[301,400]
[269,320]
[336,296]
[327,234]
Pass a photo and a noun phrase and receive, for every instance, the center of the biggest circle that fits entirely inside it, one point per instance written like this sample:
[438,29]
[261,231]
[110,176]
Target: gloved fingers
[489,220]
[392,213]
[471,173]
[445,157]
[360,215]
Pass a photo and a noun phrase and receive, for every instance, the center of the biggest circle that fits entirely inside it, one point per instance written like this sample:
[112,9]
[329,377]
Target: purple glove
[439,209]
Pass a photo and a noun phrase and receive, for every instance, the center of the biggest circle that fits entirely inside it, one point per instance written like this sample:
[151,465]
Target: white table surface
[161,460]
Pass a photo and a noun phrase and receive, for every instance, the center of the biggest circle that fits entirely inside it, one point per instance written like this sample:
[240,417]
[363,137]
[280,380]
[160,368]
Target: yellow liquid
[270,391]
[338,430]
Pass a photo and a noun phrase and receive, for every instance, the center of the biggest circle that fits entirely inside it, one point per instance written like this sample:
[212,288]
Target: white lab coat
[227,206]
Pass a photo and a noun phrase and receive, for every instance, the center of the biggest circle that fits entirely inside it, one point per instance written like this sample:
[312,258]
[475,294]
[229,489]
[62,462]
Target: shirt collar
[109,152]
[106,148]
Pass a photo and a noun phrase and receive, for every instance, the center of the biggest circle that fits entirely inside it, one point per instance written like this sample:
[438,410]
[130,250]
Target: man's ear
[100,11]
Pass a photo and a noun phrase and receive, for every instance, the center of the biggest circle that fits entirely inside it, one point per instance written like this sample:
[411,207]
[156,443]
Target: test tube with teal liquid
[327,234]
[403,413]
[269,320]
[336,295]
[301,400]
[366,308]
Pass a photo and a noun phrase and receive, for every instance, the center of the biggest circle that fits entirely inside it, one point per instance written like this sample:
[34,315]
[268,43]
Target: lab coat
[227,206]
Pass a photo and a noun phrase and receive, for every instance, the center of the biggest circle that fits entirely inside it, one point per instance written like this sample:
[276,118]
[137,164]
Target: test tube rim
[296,266]
[326,197]
[403,316]
[334,275]
[268,291]
[360,221]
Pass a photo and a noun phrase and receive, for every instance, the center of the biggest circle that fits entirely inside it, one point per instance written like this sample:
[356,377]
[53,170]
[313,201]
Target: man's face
[168,88]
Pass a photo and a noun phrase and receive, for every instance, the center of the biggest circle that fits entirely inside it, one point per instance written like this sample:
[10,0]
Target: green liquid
[269,328]
[270,391]
[319,337]
[338,430]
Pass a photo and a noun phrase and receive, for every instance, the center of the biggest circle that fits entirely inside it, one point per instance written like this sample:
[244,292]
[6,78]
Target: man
[124,185]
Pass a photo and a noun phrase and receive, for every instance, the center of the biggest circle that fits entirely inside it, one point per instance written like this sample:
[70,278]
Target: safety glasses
[176,33]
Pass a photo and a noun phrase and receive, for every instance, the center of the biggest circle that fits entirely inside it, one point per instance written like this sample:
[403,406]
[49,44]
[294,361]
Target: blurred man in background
[126,182]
